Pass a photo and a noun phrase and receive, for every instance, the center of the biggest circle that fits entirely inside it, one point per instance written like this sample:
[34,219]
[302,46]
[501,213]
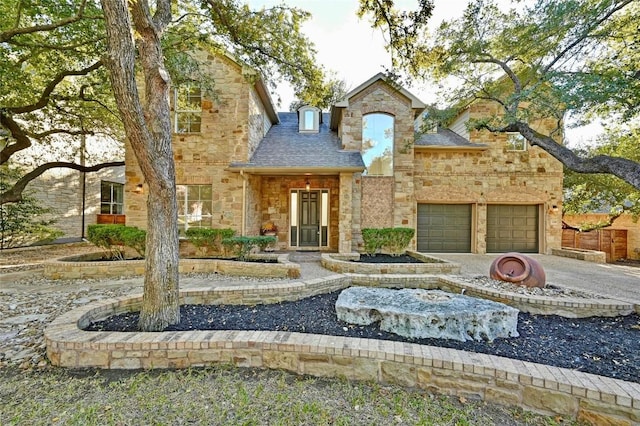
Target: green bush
[372,240]
[265,241]
[393,240]
[240,247]
[114,239]
[25,222]
[208,240]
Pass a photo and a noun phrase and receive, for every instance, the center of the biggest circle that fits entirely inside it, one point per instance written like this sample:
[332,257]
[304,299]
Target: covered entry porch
[308,210]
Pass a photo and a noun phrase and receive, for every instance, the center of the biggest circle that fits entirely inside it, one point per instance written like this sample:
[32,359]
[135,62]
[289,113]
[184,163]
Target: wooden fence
[611,241]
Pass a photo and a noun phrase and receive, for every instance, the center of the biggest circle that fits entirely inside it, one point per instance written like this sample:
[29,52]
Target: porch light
[139,189]
[307,185]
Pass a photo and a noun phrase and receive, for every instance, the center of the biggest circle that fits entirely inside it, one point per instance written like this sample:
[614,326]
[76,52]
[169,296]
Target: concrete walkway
[614,281]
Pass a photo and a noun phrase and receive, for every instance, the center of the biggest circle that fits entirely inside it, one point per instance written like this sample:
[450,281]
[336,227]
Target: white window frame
[516,142]
[190,209]
[189,111]
[115,207]
[303,124]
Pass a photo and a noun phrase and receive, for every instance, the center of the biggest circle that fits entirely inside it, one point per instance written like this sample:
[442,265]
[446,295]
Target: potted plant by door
[269,228]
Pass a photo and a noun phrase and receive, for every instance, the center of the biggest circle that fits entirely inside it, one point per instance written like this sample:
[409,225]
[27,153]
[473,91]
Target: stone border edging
[545,305]
[61,269]
[342,263]
[534,387]
[594,256]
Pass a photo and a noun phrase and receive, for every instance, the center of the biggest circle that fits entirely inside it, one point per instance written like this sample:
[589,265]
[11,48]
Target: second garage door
[444,228]
[512,228]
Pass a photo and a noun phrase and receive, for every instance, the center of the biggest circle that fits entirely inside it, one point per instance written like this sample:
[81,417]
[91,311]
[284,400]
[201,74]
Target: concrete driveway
[614,281]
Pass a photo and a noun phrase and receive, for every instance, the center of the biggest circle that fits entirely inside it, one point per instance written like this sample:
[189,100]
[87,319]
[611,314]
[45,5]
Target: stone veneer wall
[624,221]
[232,123]
[382,98]
[493,176]
[61,190]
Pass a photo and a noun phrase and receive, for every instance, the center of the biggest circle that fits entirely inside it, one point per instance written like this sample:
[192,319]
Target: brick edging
[533,387]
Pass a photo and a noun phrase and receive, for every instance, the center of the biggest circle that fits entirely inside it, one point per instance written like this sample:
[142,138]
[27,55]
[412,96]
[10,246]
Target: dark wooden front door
[309,218]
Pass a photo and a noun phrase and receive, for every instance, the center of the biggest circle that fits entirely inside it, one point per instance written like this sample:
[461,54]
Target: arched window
[377,144]
[309,119]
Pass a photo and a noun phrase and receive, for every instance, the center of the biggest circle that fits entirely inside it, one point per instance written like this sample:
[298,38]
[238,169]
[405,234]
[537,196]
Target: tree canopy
[585,193]
[551,58]
[54,87]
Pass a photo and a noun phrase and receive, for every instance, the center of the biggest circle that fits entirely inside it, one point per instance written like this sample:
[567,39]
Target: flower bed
[343,263]
[87,266]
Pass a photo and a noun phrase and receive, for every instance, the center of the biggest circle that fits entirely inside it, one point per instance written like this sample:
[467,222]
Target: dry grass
[228,396]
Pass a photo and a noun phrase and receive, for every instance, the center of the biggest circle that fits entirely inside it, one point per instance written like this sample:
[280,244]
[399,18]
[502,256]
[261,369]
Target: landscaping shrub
[393,240]
[114,239]
[265,241]
[24,222]
[240,247]
[208,240]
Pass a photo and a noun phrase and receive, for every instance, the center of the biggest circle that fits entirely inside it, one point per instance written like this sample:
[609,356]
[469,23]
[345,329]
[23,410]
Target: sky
[352,49]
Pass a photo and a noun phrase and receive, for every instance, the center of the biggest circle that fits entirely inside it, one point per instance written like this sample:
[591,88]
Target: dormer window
[309,119]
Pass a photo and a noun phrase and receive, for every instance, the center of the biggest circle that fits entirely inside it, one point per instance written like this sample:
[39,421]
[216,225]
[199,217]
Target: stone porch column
[345,214]
[480,229]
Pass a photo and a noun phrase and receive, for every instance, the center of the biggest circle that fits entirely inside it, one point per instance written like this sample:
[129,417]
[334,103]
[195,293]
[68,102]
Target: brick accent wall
[275,204]
[377,201]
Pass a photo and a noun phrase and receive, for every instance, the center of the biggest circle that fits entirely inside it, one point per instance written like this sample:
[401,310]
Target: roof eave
[258,170]
[267,101]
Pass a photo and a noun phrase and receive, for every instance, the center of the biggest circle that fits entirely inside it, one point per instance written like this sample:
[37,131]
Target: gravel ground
[605,346]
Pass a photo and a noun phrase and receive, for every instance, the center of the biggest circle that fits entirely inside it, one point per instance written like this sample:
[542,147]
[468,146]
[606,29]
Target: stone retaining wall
[581,254]
[63,269]
[534,387]
[343,263]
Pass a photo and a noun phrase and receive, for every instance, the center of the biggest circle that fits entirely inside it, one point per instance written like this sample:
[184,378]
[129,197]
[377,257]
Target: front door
[309,218]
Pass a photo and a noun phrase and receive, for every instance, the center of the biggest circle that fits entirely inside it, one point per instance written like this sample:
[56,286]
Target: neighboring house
[322,178]
[80,199]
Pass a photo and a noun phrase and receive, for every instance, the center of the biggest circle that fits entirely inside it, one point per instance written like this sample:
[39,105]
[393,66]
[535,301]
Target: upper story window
[377,144]
[188,108]
[111,197]
[516,142]
[309,119]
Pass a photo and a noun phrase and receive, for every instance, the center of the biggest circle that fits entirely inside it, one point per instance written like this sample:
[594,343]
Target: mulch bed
[604,346]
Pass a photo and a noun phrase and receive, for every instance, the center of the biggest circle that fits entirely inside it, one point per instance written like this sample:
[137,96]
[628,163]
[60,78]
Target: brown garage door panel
[444,228]
[512,228]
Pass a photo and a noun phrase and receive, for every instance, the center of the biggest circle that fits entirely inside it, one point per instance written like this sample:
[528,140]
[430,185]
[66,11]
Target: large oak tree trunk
[148,128]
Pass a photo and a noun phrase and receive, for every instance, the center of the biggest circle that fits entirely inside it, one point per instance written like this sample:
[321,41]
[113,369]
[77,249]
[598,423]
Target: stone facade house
[323,177]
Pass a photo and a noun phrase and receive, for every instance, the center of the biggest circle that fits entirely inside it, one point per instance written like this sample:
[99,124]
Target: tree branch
[9,34]
[50,87]
[14,194]
[623,168]
[584,35]
[22,141]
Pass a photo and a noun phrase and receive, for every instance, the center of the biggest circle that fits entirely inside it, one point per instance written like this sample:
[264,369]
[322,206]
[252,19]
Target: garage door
[512,228]
[444,228]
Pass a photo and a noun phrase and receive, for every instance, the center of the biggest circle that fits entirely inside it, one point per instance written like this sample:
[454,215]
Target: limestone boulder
[416,313]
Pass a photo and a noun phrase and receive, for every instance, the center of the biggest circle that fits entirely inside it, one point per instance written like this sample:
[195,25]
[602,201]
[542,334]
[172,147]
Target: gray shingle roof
[285,147]
[446,138]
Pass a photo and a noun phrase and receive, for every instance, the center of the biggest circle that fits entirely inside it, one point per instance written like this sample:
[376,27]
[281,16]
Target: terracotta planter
[518,269]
